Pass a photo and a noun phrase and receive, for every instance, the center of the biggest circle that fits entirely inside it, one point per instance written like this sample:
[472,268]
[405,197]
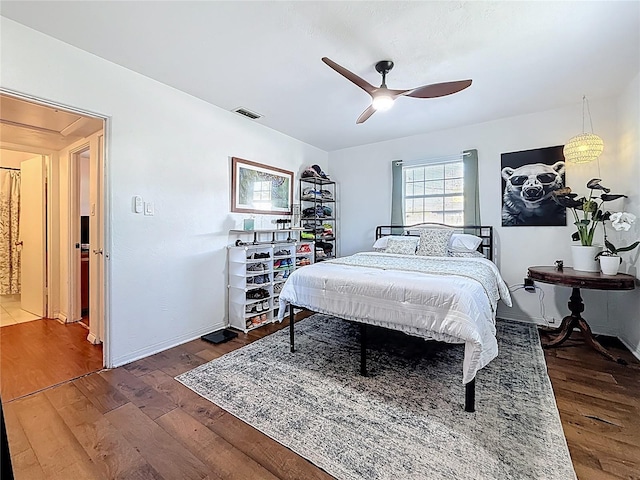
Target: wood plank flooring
[41,353]
[137,422]
[599,405]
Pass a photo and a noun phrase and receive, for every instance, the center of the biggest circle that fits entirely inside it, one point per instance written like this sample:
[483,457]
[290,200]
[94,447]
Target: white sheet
[445,308]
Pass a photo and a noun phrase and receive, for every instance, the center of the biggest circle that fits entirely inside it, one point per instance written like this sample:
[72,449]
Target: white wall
[85,204]
[626,306]
[364,175]
[167,273]
[12,158]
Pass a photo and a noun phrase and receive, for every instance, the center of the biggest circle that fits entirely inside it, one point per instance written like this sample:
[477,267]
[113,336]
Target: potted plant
[609,259]
[587,213]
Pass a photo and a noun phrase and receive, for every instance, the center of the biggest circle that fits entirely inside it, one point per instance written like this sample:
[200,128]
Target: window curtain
[471,190]
[9,215]
[397,197]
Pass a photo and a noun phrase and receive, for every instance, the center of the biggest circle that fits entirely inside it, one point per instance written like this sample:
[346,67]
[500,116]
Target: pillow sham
[383,242]
[434,242]
[464,242]
[402,245]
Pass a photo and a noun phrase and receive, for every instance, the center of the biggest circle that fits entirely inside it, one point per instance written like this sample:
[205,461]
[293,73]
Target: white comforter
[449,308]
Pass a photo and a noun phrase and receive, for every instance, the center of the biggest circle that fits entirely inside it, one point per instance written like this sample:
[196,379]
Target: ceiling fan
[382,98]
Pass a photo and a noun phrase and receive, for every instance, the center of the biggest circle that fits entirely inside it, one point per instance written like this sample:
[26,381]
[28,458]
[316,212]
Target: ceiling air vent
[247,113]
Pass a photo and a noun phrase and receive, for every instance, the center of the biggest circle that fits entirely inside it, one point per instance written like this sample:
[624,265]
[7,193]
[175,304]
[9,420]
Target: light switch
[138,205]
[148,208]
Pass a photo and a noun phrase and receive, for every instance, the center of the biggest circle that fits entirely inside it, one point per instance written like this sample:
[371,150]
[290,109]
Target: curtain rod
[10,168]
[434,160]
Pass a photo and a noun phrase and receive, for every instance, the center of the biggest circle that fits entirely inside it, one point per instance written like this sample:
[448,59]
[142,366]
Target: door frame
[105,195]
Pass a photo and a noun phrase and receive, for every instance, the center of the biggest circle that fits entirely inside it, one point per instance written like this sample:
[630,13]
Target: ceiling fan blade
[364,116]
[435,90]
[362,83]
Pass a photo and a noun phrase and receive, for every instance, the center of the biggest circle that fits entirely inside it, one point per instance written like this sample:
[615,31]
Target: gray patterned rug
[404,421]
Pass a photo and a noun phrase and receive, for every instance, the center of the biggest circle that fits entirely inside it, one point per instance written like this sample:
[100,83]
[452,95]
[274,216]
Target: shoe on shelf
[304,248]
[256,320]
[278,276]
[277,288]
[263,318]
[251,309]
[265,305]
[256,267]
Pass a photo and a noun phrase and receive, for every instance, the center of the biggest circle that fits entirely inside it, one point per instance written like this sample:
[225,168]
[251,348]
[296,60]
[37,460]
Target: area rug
[404,421]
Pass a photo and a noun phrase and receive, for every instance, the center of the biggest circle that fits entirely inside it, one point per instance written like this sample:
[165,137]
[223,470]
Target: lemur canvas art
[528,178]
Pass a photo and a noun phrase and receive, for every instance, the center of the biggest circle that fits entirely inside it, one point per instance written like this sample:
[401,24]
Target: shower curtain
[9,232]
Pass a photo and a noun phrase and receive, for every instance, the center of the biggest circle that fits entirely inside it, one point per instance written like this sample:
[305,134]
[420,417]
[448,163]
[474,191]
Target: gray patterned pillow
[434,242]
[403,245]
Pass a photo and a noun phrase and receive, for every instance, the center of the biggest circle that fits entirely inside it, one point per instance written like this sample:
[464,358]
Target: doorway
[55,153]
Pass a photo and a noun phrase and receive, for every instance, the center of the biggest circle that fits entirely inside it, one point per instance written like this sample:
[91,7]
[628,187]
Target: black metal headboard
[482,231]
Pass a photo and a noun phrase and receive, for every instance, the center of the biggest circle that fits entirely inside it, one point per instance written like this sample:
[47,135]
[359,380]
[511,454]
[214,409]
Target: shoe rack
[318,215]
[257,273]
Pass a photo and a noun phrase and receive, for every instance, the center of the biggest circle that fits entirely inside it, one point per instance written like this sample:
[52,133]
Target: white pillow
[463,242]
[402,245]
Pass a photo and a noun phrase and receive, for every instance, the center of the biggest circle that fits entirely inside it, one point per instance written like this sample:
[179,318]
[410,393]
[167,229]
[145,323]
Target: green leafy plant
[587,211]
[621,222]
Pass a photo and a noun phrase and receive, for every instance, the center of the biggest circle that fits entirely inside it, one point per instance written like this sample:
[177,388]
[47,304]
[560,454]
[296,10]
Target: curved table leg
[588,337]
[565,329]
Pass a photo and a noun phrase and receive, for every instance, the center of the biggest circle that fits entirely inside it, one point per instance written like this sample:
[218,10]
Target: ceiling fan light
[382,102]
[583,148]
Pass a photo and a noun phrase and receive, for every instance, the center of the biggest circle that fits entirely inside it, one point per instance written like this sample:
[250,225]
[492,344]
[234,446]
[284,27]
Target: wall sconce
[585,147]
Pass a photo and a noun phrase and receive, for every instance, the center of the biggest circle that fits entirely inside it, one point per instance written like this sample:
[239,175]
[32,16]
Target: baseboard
[634,351]
[167,344]
[62,317]
[92,339]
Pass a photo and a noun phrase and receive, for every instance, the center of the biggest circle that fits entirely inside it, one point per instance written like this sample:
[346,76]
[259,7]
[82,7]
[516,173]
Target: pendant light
[585,147]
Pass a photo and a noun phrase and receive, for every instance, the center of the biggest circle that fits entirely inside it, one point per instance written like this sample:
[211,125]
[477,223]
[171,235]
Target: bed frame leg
[363,349]
[470,396]
[291,342]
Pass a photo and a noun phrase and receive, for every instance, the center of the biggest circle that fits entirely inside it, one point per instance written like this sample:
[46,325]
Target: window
[262,195]
[434,193]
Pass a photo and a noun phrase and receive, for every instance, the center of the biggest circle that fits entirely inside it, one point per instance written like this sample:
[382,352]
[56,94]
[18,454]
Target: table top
[569,277]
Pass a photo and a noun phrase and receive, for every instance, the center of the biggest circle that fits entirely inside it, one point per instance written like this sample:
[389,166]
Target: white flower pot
[610,265]
[583,257]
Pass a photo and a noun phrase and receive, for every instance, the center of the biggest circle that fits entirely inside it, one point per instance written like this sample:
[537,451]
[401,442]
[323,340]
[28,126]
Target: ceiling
[43,128]
[523,56]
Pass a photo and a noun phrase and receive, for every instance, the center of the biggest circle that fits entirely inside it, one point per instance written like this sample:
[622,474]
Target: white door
[32,235]
[96,241]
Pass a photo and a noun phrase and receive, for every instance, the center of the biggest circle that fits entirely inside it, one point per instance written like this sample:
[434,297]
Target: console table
[575,279]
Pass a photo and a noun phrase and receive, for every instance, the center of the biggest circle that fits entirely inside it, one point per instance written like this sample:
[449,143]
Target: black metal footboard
[469,388]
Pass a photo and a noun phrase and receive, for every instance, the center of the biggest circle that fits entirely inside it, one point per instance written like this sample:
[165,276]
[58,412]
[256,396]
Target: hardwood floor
[599,405]
[137,422]
[41,353]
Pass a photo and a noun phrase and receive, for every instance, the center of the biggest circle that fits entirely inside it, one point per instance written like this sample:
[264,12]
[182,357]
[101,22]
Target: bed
[450,297]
